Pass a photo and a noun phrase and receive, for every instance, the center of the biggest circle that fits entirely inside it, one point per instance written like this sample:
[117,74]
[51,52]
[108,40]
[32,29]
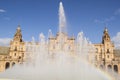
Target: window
[115,68]
[96,50]
[15,48]
[14,54]
[7,65]
[108,51]
[19,57]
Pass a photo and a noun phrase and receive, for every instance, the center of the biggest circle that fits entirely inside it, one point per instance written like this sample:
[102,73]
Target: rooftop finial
[106,29]
[18,27]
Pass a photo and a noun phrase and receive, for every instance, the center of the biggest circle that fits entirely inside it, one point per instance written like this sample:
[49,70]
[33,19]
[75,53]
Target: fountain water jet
[62,19]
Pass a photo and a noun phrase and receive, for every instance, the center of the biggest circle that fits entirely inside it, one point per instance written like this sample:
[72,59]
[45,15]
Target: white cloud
[2,10]
[116,40]
[117,12]
[6,18]
[5,41]
[111,18]
[106,20]
[98,21]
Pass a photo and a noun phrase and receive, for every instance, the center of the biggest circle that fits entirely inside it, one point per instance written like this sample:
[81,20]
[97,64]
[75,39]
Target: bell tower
[18,35]
[17,47]
[107,45]
[106,37]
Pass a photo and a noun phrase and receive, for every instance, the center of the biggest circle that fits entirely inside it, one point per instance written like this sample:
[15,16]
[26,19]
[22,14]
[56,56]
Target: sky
[36,16]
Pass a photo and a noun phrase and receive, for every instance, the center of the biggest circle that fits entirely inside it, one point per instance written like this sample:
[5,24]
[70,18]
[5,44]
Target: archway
[101,66]
[115,68]
[13,63]
[7,65]
[109,67]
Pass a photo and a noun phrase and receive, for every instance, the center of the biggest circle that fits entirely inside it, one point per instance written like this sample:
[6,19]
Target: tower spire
[105,30]
[18,34]
[106,36]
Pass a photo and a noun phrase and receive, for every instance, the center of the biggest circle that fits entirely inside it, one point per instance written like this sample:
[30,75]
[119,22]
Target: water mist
[41,65]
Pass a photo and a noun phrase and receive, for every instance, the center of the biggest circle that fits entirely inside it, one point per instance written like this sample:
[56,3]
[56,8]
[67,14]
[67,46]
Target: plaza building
[19,51]
[9,56]
[106,56]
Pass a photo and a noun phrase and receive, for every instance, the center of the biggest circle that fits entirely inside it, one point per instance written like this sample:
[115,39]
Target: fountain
[41,65]
[62,19]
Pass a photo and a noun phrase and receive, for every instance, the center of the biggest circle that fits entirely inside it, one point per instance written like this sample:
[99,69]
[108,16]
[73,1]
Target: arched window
[108,51]
[7,65]
[115,68]
[15,48]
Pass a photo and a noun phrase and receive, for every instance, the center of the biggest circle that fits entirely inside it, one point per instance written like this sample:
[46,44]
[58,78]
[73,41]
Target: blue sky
[36,16]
